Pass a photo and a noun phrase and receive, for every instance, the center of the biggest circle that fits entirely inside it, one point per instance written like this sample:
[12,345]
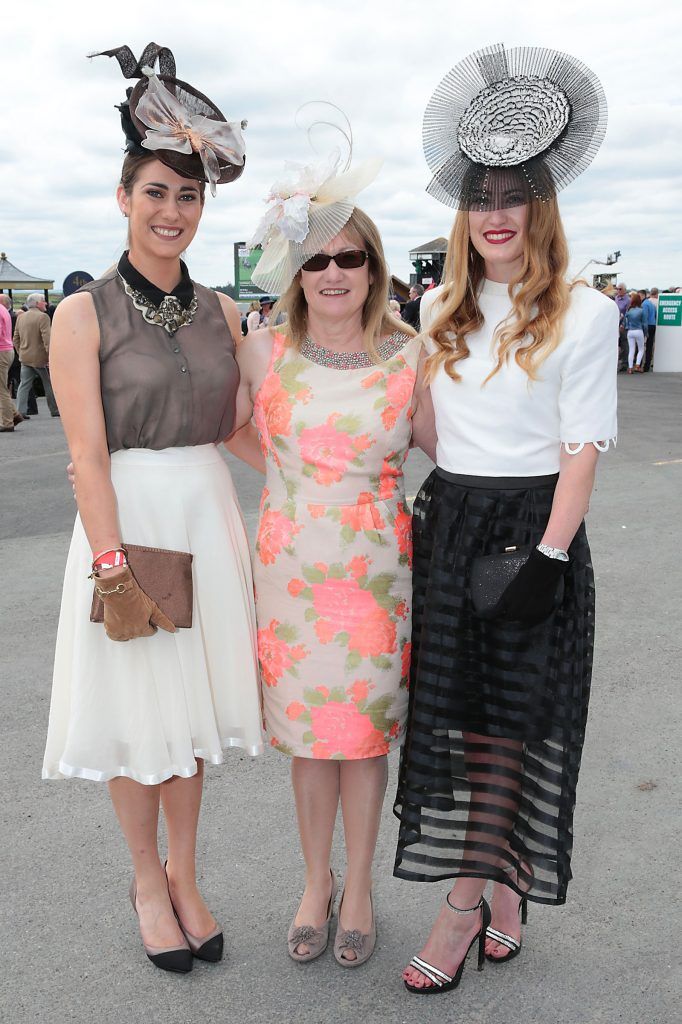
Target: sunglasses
[350,260]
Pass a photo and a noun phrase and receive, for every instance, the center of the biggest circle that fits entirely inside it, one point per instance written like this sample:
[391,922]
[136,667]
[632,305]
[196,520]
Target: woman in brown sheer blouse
[144,370]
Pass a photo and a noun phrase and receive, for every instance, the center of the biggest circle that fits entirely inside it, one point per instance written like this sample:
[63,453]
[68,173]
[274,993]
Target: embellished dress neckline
[360,360]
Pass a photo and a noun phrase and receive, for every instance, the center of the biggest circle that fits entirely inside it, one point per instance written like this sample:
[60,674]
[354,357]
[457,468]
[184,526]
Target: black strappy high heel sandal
[440,981]
[512,944]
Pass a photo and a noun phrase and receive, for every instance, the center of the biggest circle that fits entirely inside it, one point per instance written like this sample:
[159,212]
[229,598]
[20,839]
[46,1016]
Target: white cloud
[380,61]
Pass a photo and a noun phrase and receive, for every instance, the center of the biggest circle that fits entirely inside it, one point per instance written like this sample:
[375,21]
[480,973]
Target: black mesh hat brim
[559,151]
[187,165]
[492,188]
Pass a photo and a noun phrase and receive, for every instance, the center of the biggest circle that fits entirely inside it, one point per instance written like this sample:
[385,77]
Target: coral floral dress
[334,548]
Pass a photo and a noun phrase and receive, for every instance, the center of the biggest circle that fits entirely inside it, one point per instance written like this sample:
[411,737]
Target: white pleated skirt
[146,709]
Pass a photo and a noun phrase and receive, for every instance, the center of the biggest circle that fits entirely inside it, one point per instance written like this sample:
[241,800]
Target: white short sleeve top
[512,426]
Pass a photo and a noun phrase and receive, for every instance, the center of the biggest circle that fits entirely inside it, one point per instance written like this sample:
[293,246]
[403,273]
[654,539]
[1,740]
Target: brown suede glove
[128,611]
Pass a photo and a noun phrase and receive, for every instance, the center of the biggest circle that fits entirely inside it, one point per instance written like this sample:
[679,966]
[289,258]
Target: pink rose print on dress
[276,406]
[358,566]
[344,723]
[295,710]
[398,387]
[350,608]
[405,657]
[347,731]
[388,478]
[359,690]
[275,653]
[325,631]
[276,532]
[374,636]
[399,391]
[343,602]
[328,450]
[276,398]
[363,516]
[374,378]
[402,528]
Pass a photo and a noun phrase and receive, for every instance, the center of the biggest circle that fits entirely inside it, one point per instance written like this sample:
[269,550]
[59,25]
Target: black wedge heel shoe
[441,982]
[177,959]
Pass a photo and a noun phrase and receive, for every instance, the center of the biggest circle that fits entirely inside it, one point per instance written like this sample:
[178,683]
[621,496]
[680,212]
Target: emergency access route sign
[670,311]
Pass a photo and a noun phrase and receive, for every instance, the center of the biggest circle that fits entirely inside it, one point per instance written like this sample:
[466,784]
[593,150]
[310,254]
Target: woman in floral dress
[333,559]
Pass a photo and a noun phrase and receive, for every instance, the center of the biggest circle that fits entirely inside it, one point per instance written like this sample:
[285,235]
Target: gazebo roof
[437,245]
[12,277]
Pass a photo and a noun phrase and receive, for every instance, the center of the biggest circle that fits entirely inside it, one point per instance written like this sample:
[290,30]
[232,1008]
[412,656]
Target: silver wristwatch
[558,553]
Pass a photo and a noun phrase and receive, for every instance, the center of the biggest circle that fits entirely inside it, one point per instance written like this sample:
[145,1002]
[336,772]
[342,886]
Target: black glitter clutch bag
[492,574]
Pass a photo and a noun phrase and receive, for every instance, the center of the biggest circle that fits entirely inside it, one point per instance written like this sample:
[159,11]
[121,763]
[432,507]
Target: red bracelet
[111,559]
[108,551]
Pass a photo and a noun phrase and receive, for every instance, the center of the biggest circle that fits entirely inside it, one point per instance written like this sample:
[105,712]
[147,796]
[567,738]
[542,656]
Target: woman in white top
[523,372]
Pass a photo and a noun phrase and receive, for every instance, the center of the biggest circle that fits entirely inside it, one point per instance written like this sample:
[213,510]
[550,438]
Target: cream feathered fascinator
[171,119]
[308,207]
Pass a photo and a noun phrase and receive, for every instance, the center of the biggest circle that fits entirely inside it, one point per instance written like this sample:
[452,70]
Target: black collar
[183,292]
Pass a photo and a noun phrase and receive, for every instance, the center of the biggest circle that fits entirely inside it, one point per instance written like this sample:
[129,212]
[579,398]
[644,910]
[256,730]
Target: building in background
[428,261]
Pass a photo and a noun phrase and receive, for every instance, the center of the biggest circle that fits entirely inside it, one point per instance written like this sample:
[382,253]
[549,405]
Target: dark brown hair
[635,299]
[134,162]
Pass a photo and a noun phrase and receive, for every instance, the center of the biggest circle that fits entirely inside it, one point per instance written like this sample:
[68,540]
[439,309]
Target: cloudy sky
[380,60]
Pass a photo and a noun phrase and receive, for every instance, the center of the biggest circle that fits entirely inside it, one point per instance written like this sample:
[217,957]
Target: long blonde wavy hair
[378,320]
[532,330]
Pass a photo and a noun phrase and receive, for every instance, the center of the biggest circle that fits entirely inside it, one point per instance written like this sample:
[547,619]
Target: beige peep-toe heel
[316,939]
[362,945]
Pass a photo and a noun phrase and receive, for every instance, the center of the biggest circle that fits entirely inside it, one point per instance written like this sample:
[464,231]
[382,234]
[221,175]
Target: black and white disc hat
[505,127]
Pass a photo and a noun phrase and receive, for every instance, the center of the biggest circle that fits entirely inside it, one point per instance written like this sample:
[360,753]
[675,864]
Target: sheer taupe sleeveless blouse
[162,391]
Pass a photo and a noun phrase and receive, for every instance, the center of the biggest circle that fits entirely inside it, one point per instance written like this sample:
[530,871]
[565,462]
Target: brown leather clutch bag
[165,576]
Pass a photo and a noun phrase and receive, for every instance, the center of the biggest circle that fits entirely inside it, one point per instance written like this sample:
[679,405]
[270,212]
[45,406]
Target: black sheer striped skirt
[497,715]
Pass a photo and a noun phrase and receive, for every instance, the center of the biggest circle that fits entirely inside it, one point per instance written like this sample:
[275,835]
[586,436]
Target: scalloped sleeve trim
[601,446]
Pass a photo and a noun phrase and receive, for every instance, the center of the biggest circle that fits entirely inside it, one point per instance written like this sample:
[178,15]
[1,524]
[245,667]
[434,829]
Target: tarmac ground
[611,955]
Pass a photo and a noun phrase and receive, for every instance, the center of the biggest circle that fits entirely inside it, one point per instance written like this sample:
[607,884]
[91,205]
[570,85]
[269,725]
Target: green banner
[670,310]
[245,262]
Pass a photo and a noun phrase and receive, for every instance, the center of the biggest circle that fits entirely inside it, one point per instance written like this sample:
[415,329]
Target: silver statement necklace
[170,314]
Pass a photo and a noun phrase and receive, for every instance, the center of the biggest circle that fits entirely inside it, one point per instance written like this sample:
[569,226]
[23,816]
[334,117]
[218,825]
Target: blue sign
[75,280]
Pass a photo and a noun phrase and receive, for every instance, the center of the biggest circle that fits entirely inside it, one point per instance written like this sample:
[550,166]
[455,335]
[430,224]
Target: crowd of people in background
[24,358]
[638,309]
[24,346]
